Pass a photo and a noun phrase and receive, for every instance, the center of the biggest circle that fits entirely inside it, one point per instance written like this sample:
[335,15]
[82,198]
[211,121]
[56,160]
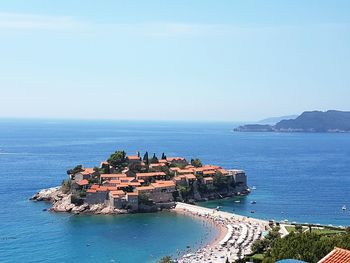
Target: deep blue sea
[299,177]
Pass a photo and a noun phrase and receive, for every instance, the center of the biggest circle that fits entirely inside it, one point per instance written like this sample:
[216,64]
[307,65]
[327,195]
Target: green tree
[144,199]
[76,169]
[118,160]
[166,259]
[66,186]
[163,156]
[154,159]
[219,181]
[196,162]
[145,158]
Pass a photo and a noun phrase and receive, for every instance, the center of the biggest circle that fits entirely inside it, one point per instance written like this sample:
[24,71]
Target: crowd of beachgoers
[237,234]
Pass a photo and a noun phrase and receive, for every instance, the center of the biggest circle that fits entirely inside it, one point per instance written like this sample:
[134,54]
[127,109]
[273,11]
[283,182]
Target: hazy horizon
[240,61]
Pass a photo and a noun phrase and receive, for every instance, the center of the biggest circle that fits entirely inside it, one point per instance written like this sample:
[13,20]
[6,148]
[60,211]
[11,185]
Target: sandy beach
[234,239]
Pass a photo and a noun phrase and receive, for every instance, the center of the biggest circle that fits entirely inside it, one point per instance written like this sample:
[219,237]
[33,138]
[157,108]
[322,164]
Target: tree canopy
[196,162]
[118,159]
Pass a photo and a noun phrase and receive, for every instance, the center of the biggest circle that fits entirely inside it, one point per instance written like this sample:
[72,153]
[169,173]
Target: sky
[192,60]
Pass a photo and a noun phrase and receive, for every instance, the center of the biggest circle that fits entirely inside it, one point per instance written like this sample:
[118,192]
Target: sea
[302,177]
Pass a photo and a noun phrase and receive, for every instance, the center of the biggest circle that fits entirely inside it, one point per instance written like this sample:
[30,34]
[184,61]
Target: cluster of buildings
[156,182]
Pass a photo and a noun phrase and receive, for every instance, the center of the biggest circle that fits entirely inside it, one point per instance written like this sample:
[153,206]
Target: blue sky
[173,60]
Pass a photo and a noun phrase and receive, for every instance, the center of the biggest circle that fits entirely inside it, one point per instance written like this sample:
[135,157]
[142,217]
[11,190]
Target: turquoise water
[301,177]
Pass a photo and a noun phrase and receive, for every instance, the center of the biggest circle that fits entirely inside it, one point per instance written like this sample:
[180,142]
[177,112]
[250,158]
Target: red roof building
[337,255]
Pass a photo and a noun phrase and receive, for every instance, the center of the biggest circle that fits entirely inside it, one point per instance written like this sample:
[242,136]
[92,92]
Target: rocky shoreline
[61,202]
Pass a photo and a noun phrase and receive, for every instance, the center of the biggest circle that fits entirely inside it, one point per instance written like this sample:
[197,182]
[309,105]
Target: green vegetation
[316,230]
[196,162]
[76,199]
[163,156]
[145,158]
[219,181]
[144,199]
[118,160]
[306,246]
[186,192]
[166,259]
[76,169]
[154,159]
[65,186]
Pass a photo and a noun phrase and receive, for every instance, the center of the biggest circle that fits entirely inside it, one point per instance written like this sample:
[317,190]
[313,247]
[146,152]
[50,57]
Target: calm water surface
[299,177]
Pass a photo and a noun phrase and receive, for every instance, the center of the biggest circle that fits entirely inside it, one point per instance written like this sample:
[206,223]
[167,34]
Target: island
[309,121]
[130,184]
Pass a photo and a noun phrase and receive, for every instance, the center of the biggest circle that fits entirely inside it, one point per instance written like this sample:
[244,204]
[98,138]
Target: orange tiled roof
[117,192]
[133,194]
[179,177]
[337,255]
[144,188]
[112,175]
[171,159]
[88,171]
[134,184]
[223,171]
[190,176]
[163,161]
[94,186]
[133,157]
[91,191]
[208,172]
[161,184]
[83,182]
[149,174]
[185,171]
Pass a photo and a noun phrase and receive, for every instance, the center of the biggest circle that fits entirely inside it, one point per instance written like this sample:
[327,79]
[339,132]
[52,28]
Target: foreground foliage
[306,246]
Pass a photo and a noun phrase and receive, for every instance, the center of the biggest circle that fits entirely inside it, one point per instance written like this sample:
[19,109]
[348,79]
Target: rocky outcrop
[62,203]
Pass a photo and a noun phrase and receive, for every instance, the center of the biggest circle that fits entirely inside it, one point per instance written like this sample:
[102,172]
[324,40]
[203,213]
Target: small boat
[253,202]
[237,201]
[344,207]
[217,208]
[253,188]
[252,211]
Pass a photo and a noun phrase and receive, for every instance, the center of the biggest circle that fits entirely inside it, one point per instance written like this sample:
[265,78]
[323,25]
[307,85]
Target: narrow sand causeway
[237,234]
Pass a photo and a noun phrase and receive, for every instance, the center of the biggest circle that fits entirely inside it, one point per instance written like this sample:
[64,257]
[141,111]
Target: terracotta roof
[208,172]
[102,189]
[171,159]
[83,182]
[175,169]
[337,255]
[223,171]
[161,184]
[91,191]
[190,176]
[88,171]
[150,174]
[185,171]
[134,183]
[179,177]
[117,193]
[133,194]
[94,186]
[144,188]
[112,175]
[133,157]
[163,161]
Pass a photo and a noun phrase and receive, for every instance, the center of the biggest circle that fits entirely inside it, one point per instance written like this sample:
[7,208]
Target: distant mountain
[274,120]
[309,121]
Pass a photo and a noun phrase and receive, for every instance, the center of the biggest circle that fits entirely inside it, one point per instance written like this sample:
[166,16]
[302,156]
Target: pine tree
[145,158]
